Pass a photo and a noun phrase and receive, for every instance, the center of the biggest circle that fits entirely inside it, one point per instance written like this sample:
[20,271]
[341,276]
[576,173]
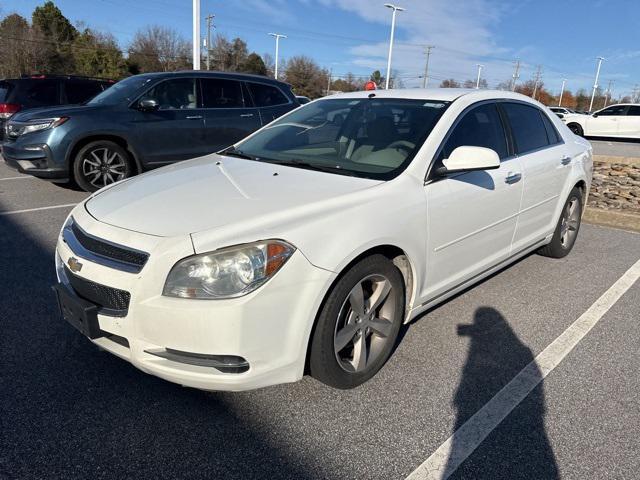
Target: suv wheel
[101,163]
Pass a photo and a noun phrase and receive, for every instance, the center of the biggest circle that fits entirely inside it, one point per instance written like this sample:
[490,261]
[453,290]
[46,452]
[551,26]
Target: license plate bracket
[80,313]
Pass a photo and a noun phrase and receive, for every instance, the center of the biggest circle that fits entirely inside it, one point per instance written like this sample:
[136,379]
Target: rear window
[527,126]
[5,91]
[38,93]
[267,95]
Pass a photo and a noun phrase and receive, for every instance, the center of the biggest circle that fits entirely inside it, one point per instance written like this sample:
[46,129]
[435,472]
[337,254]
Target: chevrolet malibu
[307,245]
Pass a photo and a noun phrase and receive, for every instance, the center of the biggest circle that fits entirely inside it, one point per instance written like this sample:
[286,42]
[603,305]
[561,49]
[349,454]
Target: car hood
[49,112]
[212,191]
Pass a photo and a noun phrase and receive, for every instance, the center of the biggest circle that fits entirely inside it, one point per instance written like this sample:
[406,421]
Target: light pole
[278,37]
[564,81]
[425,80]
[196,34]
[595,84]
[393,27]
[209,19]
[479,72]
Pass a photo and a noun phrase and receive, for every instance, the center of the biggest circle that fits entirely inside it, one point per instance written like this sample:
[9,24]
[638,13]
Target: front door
[605,122]
[176,130]
[629,126]
[229,114]
[471,216]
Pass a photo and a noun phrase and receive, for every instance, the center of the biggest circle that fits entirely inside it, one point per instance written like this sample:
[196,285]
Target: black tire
[569,223]
[95,157]
[335,368]
[576,128]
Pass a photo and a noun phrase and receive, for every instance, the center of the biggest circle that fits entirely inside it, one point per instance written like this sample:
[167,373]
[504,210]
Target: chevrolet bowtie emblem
[74,264]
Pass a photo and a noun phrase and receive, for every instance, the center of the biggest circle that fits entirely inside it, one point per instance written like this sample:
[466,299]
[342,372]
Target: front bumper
[269,328]
[33,159]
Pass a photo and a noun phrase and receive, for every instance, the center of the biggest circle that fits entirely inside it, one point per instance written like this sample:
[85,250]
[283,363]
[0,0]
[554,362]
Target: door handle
[194,117]
[246,115]
[513,178]
[566,160]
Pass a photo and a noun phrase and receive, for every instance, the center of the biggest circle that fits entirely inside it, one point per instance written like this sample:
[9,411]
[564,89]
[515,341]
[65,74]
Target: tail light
[8,109]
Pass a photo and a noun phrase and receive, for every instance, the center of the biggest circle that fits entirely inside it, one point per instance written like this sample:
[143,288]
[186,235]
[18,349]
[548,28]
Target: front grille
[114,301]
[109,250]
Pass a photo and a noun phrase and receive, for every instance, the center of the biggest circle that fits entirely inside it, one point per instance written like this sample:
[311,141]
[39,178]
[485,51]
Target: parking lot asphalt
[615,148]
[69,410]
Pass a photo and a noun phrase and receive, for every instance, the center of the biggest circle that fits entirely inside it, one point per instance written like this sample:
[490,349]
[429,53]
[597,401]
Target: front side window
[176,94]
[527,125]
[221,93]
[367,137]
[479,127]
[267,95]
[615,110]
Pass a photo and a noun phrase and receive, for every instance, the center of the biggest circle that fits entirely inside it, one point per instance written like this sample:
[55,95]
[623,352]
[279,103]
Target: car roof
[441,94]
[214,74]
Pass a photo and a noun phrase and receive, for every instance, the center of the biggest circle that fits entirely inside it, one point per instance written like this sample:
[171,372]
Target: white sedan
[307,245]
[622,120]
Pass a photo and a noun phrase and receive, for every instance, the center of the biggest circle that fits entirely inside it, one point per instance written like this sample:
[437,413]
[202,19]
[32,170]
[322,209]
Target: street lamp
[479,72]
[564,82]
[393,27]
[278,37]
[595,84]
[196,34]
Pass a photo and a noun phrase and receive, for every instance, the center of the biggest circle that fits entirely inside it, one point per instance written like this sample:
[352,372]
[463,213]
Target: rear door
[545,170]
[176,130]
[471,216]
[272,101]
[80,91]
[605,122]
[229,114]
[629,125]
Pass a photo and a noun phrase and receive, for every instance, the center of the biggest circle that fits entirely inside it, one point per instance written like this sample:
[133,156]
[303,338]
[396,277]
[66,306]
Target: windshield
[367,137]
[124,90]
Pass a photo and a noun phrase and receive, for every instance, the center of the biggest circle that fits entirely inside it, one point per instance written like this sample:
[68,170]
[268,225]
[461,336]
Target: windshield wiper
[234,152]
[313,166]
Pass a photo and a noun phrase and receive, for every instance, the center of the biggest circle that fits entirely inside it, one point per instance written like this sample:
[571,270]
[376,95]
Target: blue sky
[563,36]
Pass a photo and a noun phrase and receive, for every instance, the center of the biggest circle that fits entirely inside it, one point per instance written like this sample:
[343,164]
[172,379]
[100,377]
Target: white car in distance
[308,244]
[621,121]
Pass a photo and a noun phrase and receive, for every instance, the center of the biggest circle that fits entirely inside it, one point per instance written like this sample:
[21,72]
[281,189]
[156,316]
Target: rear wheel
[576,128]
[359,324]
[101,163]
[567,228]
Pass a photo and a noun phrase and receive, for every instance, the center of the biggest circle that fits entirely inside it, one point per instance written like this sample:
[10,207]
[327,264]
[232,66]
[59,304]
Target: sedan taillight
[8,109]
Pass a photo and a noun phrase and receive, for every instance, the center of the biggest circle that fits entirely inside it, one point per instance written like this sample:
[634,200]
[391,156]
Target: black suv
[34,91]
[142,122]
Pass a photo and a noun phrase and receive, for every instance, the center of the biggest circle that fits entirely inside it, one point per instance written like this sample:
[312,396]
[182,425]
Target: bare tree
[22,49]
[158,48]
[306,77]
[450,83]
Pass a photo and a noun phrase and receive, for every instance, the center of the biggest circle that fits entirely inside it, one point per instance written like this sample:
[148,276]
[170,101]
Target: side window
[266,95]
[220,93]
[480,127]
[43,93]
[528,128]
[552,133]
[614,110]
[177,94]
[78,91]
[634,111]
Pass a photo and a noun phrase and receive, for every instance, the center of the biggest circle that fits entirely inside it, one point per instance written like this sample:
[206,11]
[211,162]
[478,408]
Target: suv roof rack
[70,77]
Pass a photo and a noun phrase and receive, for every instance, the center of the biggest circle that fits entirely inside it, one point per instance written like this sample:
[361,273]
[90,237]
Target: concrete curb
[612,218]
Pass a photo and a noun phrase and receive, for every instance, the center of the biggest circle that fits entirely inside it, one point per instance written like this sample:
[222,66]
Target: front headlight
[227,273]
[15,129]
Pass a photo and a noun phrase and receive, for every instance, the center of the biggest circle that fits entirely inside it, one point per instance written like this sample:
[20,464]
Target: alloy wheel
[570,223]
[364,323]
[102,166]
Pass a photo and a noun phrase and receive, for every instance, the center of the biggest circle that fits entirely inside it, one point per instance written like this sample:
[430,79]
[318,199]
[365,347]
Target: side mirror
[560,115]
[148,105]
[467,159]
[595,115]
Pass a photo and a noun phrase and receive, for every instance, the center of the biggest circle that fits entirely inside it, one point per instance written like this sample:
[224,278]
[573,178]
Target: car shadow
[71,411]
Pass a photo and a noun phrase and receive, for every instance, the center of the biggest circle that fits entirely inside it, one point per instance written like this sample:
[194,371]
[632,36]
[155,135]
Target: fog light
[223,363]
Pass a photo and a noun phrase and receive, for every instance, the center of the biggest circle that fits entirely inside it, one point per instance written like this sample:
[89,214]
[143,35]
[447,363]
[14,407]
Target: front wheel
[101,163]
[566,232]
[358,324]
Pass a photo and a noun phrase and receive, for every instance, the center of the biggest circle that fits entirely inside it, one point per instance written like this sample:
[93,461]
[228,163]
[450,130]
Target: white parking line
[15,212]
[17,178]
[455,450]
